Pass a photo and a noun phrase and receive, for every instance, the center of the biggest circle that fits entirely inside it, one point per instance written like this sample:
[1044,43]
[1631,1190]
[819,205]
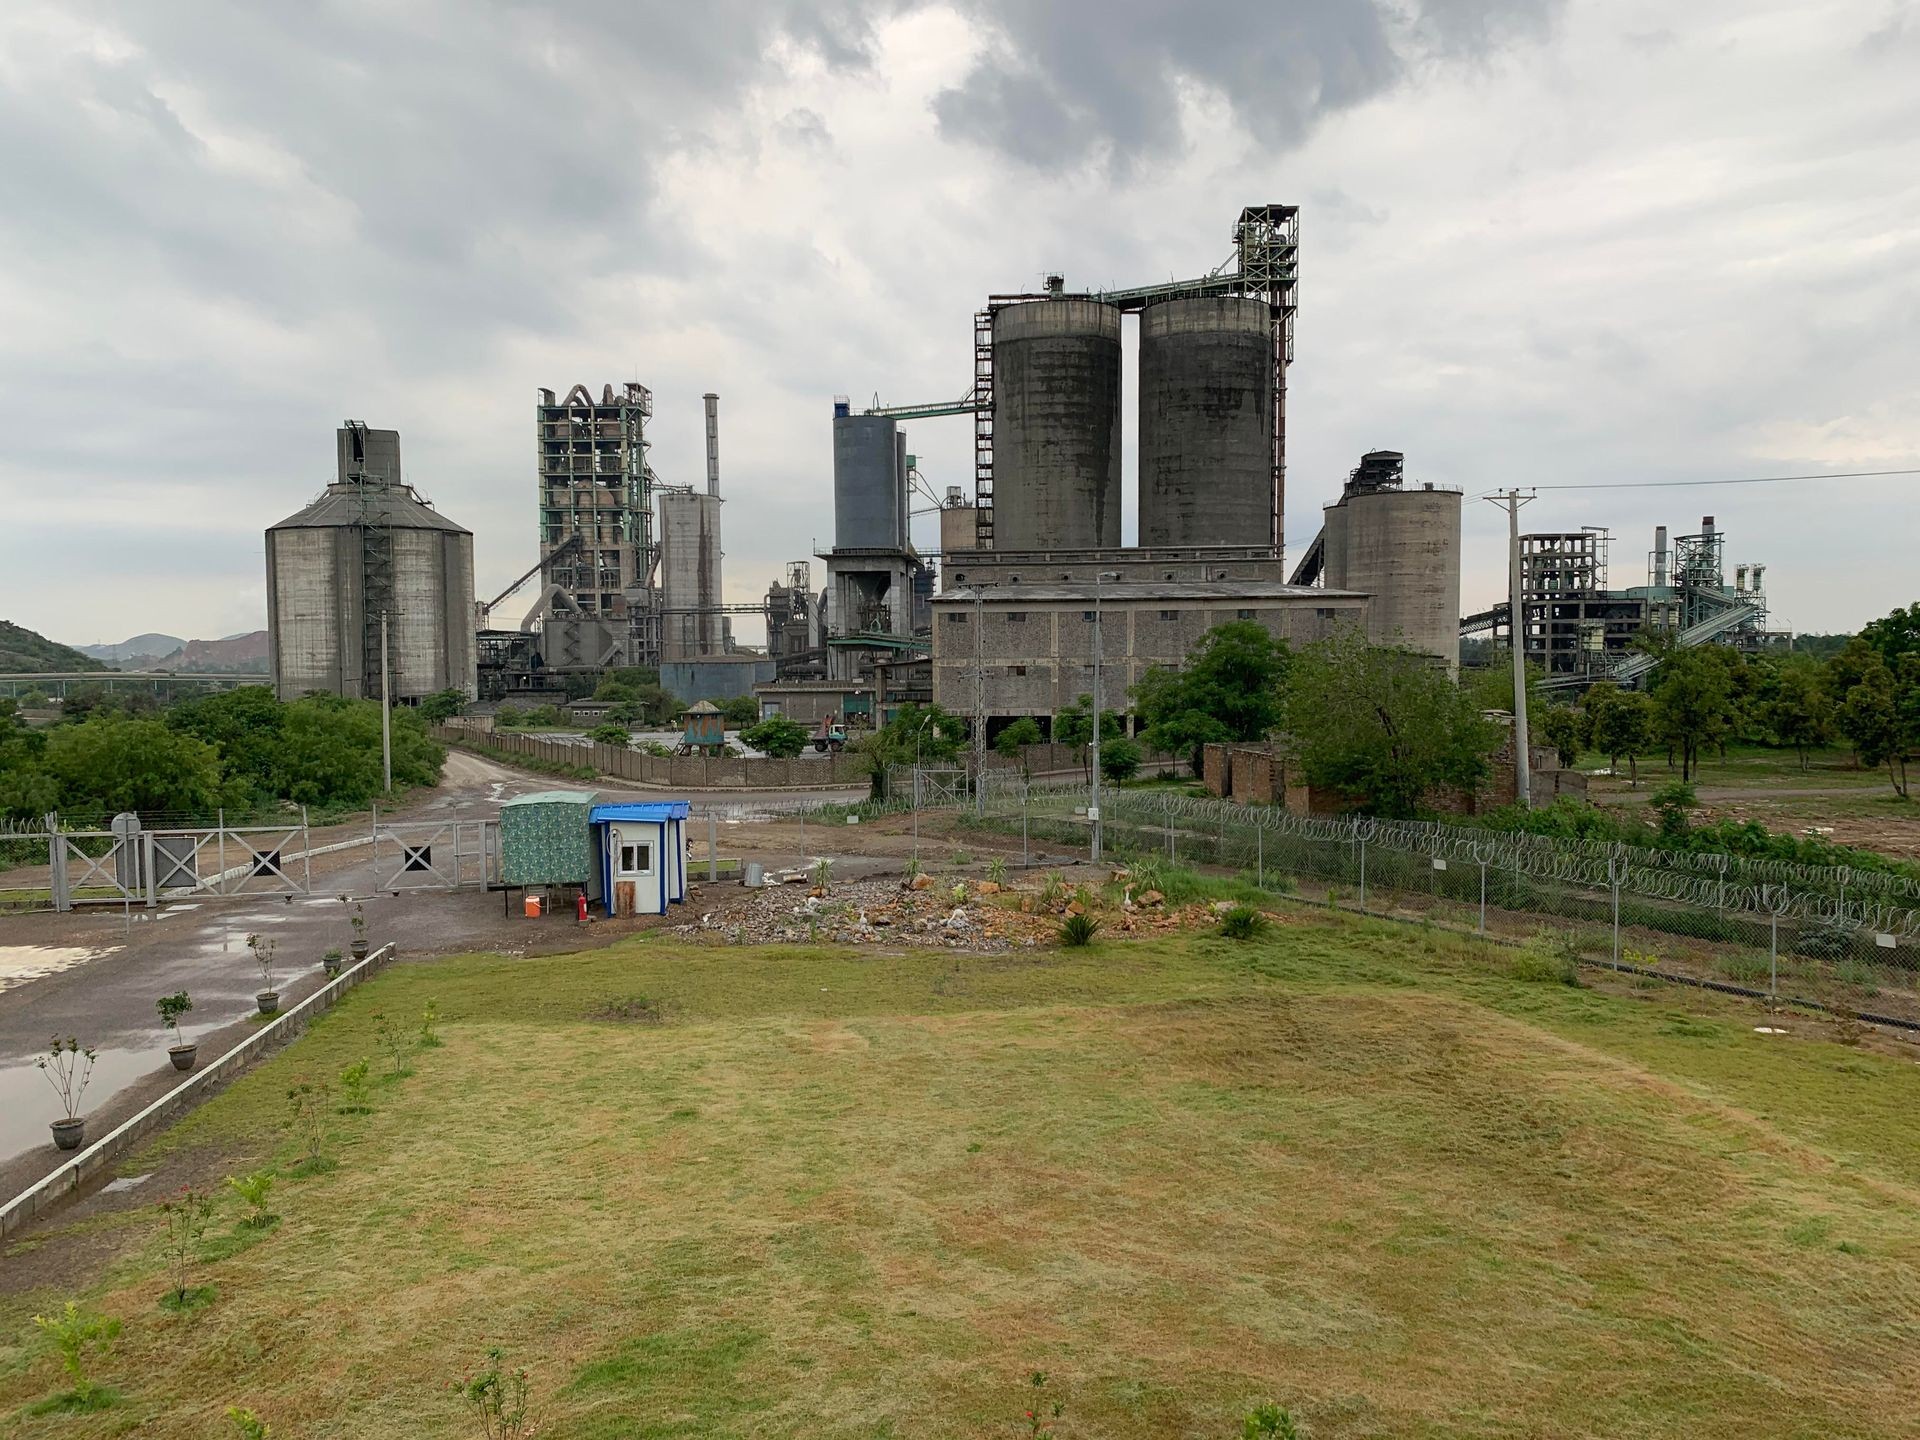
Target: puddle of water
[21,963]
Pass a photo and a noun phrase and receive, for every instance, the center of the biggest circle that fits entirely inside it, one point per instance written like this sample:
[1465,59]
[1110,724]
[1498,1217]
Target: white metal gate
[436,855]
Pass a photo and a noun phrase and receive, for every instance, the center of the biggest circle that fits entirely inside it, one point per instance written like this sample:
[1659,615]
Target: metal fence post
[1773,948]
[1260,856]
[306,852]
[1614,867]
[713,847]
[1167,802]
[1363,868]
[1025,859]
[220,875]
[146,865]
[1483,897]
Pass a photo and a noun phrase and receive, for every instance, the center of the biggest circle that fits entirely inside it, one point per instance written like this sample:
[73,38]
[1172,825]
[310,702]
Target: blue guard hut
[642,846]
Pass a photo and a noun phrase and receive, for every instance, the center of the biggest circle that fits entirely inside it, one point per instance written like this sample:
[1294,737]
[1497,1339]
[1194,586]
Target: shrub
[1269,1422]
[777,737]
[962,857]
[1548,960]
[353,1085]
[913,870]
[1077,930]
[75,1333]
[255,1189]
[1040,1413]
[430,1026]
[186,1217]
[610,734]
[307,1118]
[247,1425]
[498,1399]
[997,870]
[68,1066]
[823,874]
[1243,922]
[393,1040]
[1053,890]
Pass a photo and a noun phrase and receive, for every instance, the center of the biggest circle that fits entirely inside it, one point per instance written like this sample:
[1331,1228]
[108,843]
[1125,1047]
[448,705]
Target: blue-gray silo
[1056,425]
[869,483]
[1206,423]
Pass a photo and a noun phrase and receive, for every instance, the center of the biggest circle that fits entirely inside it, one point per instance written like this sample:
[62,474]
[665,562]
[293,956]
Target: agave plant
[1078,930]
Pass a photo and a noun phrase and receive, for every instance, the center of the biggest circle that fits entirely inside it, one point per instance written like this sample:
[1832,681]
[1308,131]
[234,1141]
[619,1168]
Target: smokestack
[1659,554]
[713,442]
[1740,577]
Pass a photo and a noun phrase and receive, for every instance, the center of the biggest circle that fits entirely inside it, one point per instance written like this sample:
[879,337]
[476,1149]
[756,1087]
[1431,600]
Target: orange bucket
[533,907]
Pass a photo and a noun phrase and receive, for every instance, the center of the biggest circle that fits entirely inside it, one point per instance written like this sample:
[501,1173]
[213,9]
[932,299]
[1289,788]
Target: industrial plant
[999,620]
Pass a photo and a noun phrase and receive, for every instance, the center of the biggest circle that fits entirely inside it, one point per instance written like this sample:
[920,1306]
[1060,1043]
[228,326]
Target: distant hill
[138,647]
[237,654]
[24,651]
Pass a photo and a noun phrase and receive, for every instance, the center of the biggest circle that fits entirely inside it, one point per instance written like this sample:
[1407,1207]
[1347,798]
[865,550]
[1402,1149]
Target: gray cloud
[1059,85]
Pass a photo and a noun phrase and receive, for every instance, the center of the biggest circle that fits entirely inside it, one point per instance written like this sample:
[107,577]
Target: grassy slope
[1351,1166]
[27,651]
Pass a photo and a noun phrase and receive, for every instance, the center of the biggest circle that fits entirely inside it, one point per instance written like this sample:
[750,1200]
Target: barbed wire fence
[1835,938]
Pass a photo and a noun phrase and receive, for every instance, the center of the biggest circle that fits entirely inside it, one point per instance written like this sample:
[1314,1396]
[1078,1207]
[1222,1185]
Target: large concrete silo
[690,558]
[1402,548]
[369,546]
[1206,423]
[869,483]
[1056,426]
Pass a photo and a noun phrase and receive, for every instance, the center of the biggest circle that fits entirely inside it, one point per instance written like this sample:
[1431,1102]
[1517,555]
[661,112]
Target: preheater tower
[1206,422]
[1056,425]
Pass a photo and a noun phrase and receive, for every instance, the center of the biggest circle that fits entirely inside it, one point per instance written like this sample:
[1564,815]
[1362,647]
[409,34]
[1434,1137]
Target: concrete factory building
[369,548]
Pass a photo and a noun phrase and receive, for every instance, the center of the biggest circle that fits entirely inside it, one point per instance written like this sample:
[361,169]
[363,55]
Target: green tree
[246,725]
[777,736]
[1881,717]
[609,733]
[1895,635]
[1073,727]
[1119,759]
[1621,723]
[1231,688]
[442,706]
[740,711]
[330,751]
[1017,736]
[923,732]
[1387,727]
[1565,729]
[1798,711]
[1692,704]
[111,763]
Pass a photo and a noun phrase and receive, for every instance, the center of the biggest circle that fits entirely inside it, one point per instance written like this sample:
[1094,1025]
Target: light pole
[1093,808]
[919,734]
[979,704]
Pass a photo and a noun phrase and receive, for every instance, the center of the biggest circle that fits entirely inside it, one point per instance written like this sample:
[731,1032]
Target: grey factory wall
[674,772]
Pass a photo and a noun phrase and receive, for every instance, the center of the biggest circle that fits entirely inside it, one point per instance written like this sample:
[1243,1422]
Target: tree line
[243,751]
[1865,694]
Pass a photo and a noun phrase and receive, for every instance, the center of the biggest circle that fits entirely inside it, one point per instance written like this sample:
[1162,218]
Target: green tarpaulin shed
[545,839]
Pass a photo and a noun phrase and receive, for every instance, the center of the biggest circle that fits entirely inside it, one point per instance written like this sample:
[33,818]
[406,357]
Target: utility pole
[386,711]
[979,706]
[1511,501]
[1093,808]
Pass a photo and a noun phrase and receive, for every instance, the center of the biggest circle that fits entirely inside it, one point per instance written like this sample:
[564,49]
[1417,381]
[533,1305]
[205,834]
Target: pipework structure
[596,489]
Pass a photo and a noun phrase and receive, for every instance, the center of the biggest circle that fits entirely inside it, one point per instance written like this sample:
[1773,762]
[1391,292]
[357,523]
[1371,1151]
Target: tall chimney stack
[713,442]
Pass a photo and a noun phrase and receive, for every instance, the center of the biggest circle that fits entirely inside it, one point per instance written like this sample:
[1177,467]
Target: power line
[1750,480]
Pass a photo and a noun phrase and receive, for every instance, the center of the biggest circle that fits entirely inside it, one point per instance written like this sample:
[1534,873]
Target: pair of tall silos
[1205,434]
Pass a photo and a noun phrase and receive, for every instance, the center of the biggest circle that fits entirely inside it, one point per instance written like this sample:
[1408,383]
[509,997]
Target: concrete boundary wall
[37,1200]
[671,772]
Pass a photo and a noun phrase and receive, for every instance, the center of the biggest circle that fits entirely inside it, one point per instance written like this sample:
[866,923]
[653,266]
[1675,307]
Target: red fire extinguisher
[580,903]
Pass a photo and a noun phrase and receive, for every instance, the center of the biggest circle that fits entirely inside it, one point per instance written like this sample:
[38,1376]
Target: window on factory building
[1016,669]
[956,617]
[1016,617]
[1245,614]
[1325,614]
[1087,615]
[1169,614]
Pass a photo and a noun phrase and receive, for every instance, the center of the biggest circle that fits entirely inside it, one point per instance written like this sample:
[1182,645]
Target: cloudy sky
[1592,242]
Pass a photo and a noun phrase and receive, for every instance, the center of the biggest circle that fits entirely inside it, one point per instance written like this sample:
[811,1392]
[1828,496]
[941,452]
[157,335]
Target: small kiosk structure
[547,840]
[706,732]
[642,849]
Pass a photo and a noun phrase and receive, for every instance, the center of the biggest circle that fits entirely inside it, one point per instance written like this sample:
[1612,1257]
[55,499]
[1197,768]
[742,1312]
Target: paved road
[97,972]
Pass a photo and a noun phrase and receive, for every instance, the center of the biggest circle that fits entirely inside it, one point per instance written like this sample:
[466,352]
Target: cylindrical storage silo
[1056,426]
[1206,422]
[1402,547]
[869,492]
[690,574]
[1333,547]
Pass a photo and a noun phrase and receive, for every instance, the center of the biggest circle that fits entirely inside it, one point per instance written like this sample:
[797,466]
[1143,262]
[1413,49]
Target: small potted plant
[171,1008]
[358,919]
[269,998]
[68,1066]
[330,962]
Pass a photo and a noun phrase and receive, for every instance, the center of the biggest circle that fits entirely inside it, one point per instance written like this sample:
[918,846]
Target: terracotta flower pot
[68,1134]
[182,1056]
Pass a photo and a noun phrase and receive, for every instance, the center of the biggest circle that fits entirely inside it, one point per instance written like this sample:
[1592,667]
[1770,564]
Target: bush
[1119,760]
[610,734]
[1243,922]
[777,737]
[256,1190]
[1550,959]
[1077,930]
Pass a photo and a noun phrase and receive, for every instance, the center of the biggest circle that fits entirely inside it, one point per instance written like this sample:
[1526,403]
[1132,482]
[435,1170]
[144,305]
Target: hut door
[633,873]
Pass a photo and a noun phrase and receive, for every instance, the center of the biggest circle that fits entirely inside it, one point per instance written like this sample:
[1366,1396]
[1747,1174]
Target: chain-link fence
[1847,940]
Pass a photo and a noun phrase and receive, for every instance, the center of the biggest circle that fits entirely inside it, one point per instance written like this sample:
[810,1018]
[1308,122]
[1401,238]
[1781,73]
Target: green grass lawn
[1363,1170]
[1757,765]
